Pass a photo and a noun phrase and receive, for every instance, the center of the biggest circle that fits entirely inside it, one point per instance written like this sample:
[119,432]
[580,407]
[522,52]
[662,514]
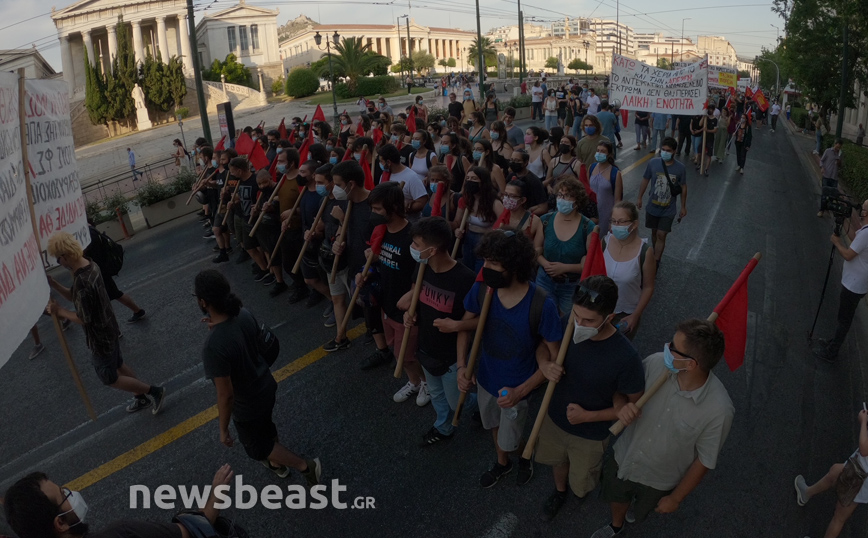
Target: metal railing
[163,171]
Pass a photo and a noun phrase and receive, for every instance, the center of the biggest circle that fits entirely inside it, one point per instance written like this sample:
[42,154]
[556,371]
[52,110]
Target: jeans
[846,310]
[560,292]
[740,154]
[684,143]
[774,121]
[576,129]
[468,251]
[641,134]
[536,112]
[551,121]
[444,397]
[657,135]
[697,145]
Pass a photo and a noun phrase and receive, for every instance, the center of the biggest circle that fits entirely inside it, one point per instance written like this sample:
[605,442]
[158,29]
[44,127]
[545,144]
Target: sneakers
[490,477]
[525,470]
[314,471]
[259,275]
[220,258]
[433,436]
[378,358]
[278,289]
[335,345]
[269,279]
[299,292]
[405,392]
[139,403]
[801,491]
[313,299]
[368,338]
[282,471]
[209,234]
[331,321]
[606,532]
[424,396]
[553,505]
[159,398]
[630,516]
[329,310]
[37,349]
[137,316]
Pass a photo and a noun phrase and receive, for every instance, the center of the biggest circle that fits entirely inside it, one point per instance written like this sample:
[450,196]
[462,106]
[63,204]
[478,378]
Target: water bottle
[622,326]
[510,413]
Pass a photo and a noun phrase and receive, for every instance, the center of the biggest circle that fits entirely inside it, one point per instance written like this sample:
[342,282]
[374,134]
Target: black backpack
[536,309]
[107,254]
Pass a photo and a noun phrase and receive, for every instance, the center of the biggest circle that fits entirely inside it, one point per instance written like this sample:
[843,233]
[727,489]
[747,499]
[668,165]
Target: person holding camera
[854,282]
[830,162]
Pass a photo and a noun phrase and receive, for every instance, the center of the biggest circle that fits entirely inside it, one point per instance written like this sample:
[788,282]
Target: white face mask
[582,333]
[78,506]
[339,193]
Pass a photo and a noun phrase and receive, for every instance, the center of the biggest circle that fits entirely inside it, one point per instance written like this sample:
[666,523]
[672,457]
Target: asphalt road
[793,414]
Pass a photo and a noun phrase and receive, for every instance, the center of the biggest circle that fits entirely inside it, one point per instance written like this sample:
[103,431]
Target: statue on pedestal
[143,121]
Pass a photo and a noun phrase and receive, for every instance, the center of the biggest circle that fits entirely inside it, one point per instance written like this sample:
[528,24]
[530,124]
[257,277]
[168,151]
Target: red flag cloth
[282,130]
[502,220]
[732,318]
[348,154]
[411,120]
[376,242]
[291,137]
[624,117]
[369,177]
[273,169]
[319,115]
[220,146]
[377,135]
[385,176]
[437,204]
[462,203]
[761,100]
[595,263]
[748,92]
[305,146]
[583,178]
[258,158]
[244,144]
[360,129]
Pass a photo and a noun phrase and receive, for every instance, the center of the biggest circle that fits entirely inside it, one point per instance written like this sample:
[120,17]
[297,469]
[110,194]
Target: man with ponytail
[245,387]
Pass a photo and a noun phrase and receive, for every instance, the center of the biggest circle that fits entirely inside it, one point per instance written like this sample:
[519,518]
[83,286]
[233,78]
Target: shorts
[267,235]
[394,332]
[615,490]
[258,436]
[653,222]
[290,248]
[509,431]
[106,366]
[584,456]
[310,268]
[110,287]
[218,223]
[341,285]
[242,233]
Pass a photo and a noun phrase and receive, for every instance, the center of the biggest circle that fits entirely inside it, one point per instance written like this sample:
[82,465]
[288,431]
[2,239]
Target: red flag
[437,204]
[348,154]
[595,263]
[318,115]
[732,318]
[291,137]
[377,135]
[502,220]
[624,117]
[220,146]
[411,120]
[748,92]
[273,169]
[244,144]
[761,100]
[385,176]
[376,242]
[360,129]
[305,146]
[583,178]
[369,177]
[282,130]
[258,158]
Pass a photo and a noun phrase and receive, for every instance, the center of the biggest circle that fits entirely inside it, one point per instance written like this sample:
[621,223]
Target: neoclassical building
[390,40]
[249,32]
[538,50]
[156,25]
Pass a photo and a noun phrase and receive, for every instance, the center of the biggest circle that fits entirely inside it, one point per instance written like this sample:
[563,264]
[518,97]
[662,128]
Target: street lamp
[681,59]
[336,39]
[778,39]
[778,79]
[586,44]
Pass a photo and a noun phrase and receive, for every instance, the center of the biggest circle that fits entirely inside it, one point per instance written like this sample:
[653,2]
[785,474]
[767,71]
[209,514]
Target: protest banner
[639,86]
[23,286]
[743,84]
[721,77]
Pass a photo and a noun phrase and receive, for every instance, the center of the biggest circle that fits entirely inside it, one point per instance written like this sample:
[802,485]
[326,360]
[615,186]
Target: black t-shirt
[331,234]
[230,351]
[397,271]
[272,217]
[642,119]
[684,124]
[247,192]
[594,372]
[535,188]
[455,109]
[696,125]
[442,297]
[358,235]
[406,150]
[137,529]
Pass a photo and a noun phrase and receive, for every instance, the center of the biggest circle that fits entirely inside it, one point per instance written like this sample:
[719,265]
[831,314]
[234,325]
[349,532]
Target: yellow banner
[727,79]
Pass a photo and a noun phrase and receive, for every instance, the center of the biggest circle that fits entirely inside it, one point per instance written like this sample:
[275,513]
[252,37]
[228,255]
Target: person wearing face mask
[456,108]
[314,276]
[567,236]
[290,246]
[384,107]
[534,140]
[326,233]
[522,332]
[221,232]
[273,137]
[550,107]
[209,189]
[630,263]
[601,371]
[478,130]
[693,406]
[551,149]
[515,201]
[592,130]
[500,144]
[398,138]
[36,507]
[450,156]
[483,155]
[606,182]
[660,214]
[423,156]
[479,196]
[421,109]
[346,130]
[564,164]
[438,320]
[538,201]
[269,229]
[743,137]
[608,121]
[469,106]
[415,193]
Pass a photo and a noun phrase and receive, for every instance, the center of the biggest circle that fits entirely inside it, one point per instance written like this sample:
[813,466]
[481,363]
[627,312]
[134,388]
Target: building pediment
[240,11]
[89,6]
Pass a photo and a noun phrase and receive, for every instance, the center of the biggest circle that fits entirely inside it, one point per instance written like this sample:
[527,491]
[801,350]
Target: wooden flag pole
[704,132]
[414,305]
[319,213]
[474,351]
[462,228]
[22,91]
[550,390]
[355,297]
[267,202]
[345,225]
[283,231]
[199,185]
[234,192]
[619,426]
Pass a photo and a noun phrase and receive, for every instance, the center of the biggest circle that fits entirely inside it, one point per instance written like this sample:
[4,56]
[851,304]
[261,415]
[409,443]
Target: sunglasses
[590,295]
[680,353]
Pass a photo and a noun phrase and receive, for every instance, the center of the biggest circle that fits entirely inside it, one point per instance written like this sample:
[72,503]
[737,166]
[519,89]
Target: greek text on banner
[639,86]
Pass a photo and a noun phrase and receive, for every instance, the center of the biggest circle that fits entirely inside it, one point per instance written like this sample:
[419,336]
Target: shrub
[184,112]
[434,111]
[277,86]
[301,82]
[799,116]
[183,183]
[114,201]
[854,173]
[519,101]
[368,86]
[154,192]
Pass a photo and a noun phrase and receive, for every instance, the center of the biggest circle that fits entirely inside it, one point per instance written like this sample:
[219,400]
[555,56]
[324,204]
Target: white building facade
[613,37]
[719,50]
[509,33]
[30,59]
[537,51]
[248,32]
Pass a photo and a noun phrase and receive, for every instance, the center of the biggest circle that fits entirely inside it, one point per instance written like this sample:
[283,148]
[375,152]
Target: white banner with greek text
[639,86]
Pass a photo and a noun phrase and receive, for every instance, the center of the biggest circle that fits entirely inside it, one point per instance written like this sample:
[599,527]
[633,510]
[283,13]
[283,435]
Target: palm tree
[354,59]
[487,50]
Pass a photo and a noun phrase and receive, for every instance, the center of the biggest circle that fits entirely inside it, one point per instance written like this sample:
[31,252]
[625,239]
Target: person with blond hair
[94,312]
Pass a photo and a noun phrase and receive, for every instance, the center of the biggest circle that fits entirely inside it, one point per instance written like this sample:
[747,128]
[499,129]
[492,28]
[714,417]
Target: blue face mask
[333,160]
[666,155]
[329,147]
[590,130]
[393,139]
[444,148]
[357,156]
[213,163]
[477,155]
[495,136]
[417,144]
[417,255]
[382,167]
[621,232]
[442,123]
[433,188]
[600,157]
[669,360]
[565,207]
[322,190]
[281,168]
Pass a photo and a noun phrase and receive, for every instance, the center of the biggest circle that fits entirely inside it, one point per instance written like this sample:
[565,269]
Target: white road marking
[504,527]
[693,255]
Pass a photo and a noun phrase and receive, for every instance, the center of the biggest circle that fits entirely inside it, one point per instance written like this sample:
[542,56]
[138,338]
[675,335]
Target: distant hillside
[295,26]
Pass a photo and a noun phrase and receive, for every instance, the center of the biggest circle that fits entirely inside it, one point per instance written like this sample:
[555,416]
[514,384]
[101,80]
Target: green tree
[451,62]
[443,63]
[234,71]
[423,61]
[551,62]
[354,59]
[125,75]
[301,82]
[744,74]
[663,63]
[579,65]
[404,65]
[488,52]
[157,96]
[175,81]
[380,64]
[94,92]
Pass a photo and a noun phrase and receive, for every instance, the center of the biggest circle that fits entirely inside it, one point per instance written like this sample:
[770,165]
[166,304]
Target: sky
[748,26]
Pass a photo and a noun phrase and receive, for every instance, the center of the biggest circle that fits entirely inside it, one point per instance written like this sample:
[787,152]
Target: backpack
[536,308]
[107,254]
[642,252]
[267,344]
[613,175]
[427,158]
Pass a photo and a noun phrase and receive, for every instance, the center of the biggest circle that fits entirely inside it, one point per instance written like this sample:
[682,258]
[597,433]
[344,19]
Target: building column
[162,41]
[184,37]
[112,42]
[88,45]
[137,42]
[66,63]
